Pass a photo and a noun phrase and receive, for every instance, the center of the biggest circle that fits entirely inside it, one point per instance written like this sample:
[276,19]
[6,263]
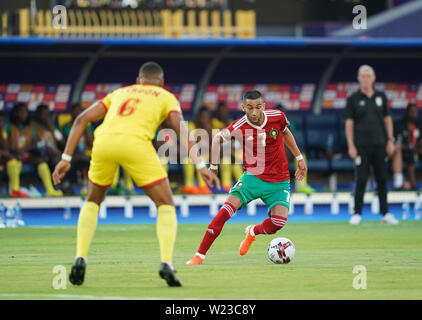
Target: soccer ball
[281,250]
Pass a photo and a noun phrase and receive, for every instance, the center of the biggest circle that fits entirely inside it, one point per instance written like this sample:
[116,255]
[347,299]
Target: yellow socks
[166,231]
[189,173]
[87,223]
[45,175]
[201,181]
[14,168]
[226,172]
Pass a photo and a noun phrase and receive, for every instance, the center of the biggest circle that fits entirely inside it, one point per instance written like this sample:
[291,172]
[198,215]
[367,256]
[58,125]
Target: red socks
[270,225]
[215,227]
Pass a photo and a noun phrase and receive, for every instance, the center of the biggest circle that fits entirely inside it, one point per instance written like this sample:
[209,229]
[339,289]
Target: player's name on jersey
[142,90]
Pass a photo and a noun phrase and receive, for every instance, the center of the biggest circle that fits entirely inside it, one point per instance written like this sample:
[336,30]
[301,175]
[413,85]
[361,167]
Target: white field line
[76,296]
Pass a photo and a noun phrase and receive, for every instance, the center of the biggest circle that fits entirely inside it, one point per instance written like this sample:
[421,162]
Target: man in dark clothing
[408,148]
[369,134]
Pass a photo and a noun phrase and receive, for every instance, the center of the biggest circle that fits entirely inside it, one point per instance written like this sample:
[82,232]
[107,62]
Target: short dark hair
[41,107]
[75,105]
[252,95]
[203,109]
[411,104]
[280,107]
[13,118]
[150,68]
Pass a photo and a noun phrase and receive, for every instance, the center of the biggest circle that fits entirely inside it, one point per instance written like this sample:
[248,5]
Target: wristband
[200,165]
[299,157]
[213,167]
[66,157]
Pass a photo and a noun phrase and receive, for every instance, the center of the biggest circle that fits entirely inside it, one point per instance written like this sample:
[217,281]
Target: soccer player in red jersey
[263,134]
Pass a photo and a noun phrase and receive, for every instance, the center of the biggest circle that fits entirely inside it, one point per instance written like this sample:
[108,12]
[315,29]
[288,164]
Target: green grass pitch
[124,260]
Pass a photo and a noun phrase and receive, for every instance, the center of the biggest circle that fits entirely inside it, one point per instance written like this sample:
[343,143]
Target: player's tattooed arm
[290,142]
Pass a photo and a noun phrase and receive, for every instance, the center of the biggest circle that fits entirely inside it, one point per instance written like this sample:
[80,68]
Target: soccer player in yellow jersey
[131,117]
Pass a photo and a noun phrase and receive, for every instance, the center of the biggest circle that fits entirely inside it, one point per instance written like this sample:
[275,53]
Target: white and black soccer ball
[281,250]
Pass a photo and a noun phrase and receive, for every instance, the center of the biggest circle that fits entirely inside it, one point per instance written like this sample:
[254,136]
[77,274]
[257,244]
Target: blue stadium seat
[321,138]
[28,169]
[318,165]
[300,139]
[322,121]
[297,120]
[342,165]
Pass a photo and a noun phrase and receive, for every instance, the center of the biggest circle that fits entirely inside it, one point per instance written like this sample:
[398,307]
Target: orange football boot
[195,260]
[247,242]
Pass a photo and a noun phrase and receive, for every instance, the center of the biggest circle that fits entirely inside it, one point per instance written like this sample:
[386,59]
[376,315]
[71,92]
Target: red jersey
[263,147]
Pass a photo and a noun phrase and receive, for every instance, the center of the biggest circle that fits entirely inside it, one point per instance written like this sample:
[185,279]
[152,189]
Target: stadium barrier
[138,23]
[326,198]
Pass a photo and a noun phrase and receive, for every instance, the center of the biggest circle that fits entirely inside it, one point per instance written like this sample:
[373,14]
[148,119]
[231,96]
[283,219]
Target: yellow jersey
[136,110]
[218,124]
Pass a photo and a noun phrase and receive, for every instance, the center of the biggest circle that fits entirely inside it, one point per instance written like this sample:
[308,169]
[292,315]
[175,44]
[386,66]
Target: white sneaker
[355,219]
[389,219]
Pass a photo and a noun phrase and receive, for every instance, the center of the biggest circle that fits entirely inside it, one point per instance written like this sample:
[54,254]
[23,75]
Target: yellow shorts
[137,157]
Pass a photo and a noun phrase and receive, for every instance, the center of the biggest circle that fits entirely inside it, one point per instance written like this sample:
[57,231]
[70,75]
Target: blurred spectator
[22,140]
[408,148]
[5,155]
[202,121]
[228,169]
[47,140]
[81,156]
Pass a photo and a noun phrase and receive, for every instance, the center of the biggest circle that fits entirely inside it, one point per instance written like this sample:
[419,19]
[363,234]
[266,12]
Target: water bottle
[418,207]
[351,205]
[10,217]
[129,208]
[184,208]
[18,215]
[375,204]
[251,208]
[309,206]
[405,211]
[2,216]
[292,207]
[152,209]
[103,210]
[67,214]
[335,206]
[213,207]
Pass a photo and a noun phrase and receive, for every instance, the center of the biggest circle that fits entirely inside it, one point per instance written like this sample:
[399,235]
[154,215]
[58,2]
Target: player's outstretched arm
[94,113]
[215,152]
[290,142]
[179,125]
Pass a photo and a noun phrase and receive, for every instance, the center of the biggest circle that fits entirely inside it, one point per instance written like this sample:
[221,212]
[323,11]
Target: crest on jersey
[273,133]
[225,133]
[378,101]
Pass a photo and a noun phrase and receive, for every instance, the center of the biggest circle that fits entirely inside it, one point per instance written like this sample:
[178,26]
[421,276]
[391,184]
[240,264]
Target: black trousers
[377,158]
